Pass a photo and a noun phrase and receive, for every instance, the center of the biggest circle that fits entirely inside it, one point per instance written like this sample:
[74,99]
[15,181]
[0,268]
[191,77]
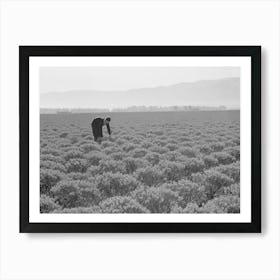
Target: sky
[53,79]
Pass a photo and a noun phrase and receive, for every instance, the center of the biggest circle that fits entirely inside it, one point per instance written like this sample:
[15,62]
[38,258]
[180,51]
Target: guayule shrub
[82,142]
[120,142]
[50,151]
[113,166]
[223,158]
[63,135]
[76,165]
[65,149]
[53,158]
[66,194]
[198,178]
[129,147]
[89,147]
[93,171]
[89,194]
[173,156]
[233,151]
[136,141]
[156,200]
[172,171]
[73,154]
[160,143]
[217,147]
[210,161]
[77,176]
[129,138]
[94,158]
[190,208]
[115,184]
[132,164]
[153,158]
[205,149]
[187,192]
[158,149]
[64,143]
[74,139]
[229,143]
[222,204]
[171,147]
[158,132]
[88,137]
[47,204]
[48,178]
[139,153]
[117,155]
[47,164]
[71,194]
[93,209]
[232,170]
[110,150]
[146,145]
[193,165]
[176,209]
[173,141]
[149,175]
[122,204]
[233,189]
[106,144]
[183,139]
[215,180]
[189,152]
[236,140]
[43,143]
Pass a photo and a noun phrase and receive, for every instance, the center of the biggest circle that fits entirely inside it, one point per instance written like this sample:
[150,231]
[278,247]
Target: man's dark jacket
[97,125]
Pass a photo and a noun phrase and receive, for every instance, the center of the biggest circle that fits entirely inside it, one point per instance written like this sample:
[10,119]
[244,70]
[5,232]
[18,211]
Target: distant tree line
[132,109]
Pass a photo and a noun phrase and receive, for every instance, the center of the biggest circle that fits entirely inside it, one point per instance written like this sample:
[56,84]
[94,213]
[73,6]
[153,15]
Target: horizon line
[139,110]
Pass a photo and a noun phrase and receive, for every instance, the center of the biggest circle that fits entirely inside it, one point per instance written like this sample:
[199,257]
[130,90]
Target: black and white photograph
[140,139]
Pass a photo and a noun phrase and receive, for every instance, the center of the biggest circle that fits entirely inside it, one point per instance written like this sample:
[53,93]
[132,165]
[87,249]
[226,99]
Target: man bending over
[97,125]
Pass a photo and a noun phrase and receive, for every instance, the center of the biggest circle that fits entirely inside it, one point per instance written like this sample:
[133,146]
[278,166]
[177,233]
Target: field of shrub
[155,162]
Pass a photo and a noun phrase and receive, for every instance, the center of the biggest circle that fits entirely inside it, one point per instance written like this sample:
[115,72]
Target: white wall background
[139,256]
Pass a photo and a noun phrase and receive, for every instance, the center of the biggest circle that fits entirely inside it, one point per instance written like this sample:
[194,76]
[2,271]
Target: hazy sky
[123,78]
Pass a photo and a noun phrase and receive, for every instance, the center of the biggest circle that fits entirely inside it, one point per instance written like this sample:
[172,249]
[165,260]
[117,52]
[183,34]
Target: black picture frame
[25,52]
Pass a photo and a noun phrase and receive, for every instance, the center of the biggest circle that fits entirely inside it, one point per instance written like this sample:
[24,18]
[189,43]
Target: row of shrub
[159,204]
[124,163]
[160,198]
[140,151]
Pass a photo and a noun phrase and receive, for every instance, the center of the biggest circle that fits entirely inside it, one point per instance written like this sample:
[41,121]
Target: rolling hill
[222,92]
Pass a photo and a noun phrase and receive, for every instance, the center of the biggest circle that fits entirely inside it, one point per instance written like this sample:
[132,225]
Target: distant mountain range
[222,92]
